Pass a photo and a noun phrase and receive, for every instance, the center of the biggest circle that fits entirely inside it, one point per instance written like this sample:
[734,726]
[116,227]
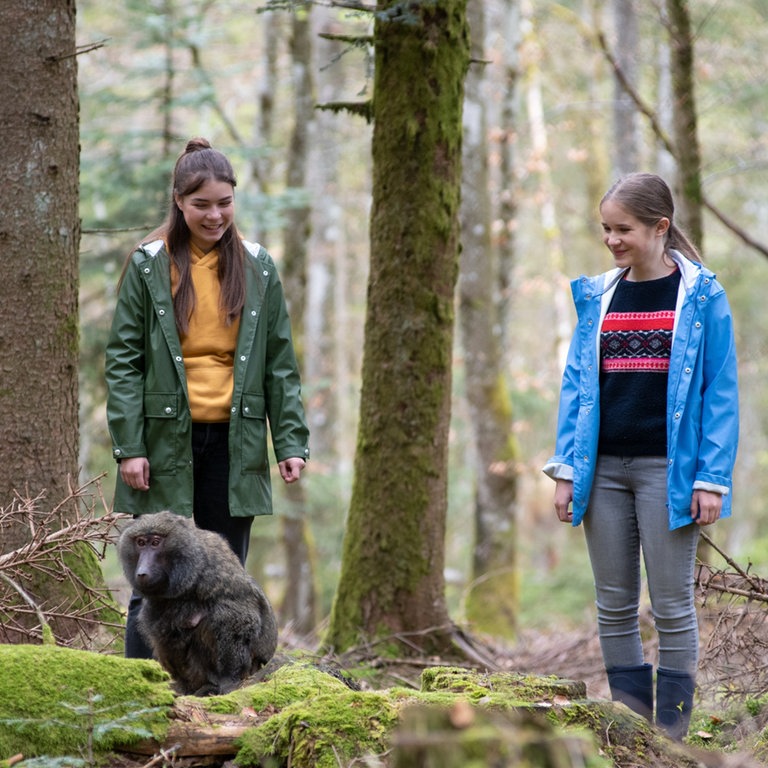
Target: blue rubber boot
[633,686]
[674,702]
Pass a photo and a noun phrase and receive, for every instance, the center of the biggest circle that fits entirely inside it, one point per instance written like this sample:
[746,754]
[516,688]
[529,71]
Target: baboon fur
[207,621]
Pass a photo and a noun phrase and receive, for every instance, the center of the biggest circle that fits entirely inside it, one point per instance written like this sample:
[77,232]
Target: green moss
[506,688]
[321,722]
[86,569]
[53,699]
[295,680]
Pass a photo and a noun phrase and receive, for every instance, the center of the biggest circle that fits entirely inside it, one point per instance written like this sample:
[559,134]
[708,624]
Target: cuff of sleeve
[293,452]
[701,485]
[558,471]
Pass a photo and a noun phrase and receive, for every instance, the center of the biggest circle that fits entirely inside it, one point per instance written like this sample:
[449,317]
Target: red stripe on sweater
[639,321]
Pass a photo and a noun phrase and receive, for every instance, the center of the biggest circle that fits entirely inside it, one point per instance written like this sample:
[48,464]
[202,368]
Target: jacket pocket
[253,412]
[161,424]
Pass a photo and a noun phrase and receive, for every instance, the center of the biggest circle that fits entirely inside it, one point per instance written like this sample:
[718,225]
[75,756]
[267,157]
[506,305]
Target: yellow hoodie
[209,344]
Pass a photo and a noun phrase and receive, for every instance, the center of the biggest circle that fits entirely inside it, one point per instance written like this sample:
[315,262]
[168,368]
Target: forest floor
[724,733]
[731,708]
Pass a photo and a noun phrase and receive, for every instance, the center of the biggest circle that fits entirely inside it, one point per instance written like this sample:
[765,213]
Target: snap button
[246,409]
[146,270]
[161,312]
[168,409]
[242,358]
[178,358]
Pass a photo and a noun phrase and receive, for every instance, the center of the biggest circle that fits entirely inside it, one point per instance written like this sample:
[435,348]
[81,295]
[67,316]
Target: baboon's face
[152,566]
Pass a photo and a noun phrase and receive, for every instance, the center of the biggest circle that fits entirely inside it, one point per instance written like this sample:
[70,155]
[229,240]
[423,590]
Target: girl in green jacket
[199,361]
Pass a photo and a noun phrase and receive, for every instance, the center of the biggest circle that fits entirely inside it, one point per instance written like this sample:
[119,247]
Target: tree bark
[40,233]
[626,154]
[393,553]
[686,137]
[40,236]
[508,21]
[492,600]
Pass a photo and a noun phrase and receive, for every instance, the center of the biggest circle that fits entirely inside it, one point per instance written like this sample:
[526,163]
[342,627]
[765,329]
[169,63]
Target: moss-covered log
[61,703]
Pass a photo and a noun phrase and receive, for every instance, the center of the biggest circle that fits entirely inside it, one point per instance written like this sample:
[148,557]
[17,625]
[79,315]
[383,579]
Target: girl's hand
[290,469]
[563,499]
[135,473]
[705,507]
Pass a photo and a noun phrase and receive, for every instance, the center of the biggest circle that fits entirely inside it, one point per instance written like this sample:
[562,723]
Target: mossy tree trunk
[40,236]
[686,137]
[391,577]
[491,604]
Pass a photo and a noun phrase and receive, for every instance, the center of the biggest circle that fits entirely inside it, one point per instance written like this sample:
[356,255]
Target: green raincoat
[147,404]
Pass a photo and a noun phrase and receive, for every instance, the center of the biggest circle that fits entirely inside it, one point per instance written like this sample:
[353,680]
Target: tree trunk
[626,155]
[40,232]
[686,137]
[506,215]
[554,266]
[298,608]
[393,553]
[491,605]
[261,163]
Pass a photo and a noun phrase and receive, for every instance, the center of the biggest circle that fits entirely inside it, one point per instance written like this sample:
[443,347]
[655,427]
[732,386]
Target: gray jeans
[627,515]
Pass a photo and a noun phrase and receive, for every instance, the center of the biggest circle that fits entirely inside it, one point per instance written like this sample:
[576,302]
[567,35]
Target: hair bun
[196,144]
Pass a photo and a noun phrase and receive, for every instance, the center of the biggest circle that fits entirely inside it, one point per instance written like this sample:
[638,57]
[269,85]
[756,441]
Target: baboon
[207,621]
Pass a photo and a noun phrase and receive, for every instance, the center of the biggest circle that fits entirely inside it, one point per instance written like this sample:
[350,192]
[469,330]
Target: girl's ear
[662,225]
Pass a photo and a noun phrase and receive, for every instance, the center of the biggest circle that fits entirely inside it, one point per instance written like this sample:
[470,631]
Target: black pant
[210,454]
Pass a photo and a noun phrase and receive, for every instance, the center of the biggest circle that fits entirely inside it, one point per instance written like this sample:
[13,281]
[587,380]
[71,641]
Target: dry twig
[55,539]
[733,617]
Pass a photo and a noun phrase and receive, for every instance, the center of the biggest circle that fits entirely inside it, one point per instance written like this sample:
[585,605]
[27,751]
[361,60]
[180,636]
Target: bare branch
[650,114]
[50,549]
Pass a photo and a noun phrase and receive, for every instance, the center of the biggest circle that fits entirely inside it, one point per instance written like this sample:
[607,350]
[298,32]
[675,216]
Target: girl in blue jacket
[646,439]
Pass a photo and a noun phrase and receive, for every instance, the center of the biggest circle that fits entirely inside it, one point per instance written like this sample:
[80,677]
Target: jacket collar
[690,272]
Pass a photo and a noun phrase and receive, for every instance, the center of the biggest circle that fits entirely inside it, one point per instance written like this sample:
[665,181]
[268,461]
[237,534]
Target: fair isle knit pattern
[637,341]
[635,347]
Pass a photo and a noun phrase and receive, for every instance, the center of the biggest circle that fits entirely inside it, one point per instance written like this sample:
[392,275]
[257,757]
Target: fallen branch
[185,739]
[728,583]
